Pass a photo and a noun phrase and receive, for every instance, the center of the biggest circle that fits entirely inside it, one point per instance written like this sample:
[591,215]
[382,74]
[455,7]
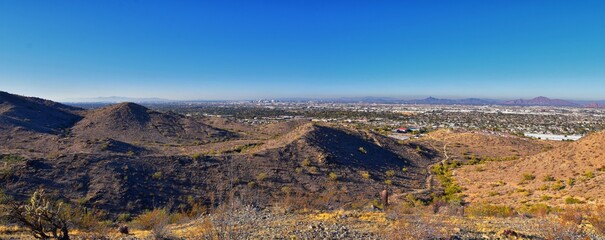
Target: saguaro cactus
[384,197]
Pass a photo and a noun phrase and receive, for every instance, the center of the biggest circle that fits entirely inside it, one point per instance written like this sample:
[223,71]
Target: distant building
[402,130]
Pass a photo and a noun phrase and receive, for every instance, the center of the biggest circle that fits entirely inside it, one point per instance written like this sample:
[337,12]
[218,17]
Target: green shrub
[333,176]
[306,162]
[362,150]
[557,186]
[261,177]
[548,178]
[540,209]
[572,200]
[488,210]
[364,174]
[151,219]
[571,182]
[528,177]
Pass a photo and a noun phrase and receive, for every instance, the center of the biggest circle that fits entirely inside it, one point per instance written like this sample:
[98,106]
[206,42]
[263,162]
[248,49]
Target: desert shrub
[196,156]
[91,220]
[162,232]
[4,198]
[536,210]
[528,177]
[552,229]
[544,187]
[261,177]
[228,222]
[451,188]
[416,228]
[404,169]
[596,218]
[362,150]
[388,182]
[151,219]
[557,186]
[390,173]
[548,178]
[489,210]
[298,170]
[571,182]
[306,162]
[156,175]
[313,170]
[333,176]
[574,215]
[573,200]
[364,174]
[588,174]
[12,158]
[286,190]
[545,197]
[123,217]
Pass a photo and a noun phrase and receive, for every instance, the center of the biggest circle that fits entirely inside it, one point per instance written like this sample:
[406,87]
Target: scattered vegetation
[528,177]
[364,174]
[333,176]
[548,178]
[451,189]
[489,210]
[573,200]
[362,150]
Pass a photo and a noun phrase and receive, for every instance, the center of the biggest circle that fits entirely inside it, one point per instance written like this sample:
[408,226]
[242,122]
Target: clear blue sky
[254,49]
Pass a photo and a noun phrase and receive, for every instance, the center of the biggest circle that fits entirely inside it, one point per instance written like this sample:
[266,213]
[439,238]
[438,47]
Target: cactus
[42,216]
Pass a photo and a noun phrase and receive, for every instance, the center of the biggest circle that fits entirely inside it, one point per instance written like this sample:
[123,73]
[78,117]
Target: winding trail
[429,179]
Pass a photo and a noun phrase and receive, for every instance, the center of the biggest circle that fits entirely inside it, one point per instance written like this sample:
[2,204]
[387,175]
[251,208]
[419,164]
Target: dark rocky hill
[35,114]
[130,122]
[127,158]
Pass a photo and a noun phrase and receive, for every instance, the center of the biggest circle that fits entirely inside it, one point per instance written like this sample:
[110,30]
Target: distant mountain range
[541,101]
[538,101]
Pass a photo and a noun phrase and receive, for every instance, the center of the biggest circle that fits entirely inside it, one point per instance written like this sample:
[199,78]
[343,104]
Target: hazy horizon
[243,50]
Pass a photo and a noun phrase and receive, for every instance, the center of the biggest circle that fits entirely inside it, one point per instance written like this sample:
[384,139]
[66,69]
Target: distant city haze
[235,50]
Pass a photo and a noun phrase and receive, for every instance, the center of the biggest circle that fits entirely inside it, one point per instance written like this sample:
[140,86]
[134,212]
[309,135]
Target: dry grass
[563,171]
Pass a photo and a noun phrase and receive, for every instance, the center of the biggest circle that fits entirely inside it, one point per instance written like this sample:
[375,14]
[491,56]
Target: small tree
[42,216]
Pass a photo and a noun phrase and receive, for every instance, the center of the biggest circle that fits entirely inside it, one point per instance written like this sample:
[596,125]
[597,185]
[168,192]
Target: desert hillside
[128,158]
[574,170]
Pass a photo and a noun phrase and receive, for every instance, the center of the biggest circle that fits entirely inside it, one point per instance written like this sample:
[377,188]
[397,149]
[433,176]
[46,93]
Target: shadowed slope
[35,114]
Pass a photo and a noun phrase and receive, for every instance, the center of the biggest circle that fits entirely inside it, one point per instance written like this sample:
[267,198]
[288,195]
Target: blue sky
[264,49]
